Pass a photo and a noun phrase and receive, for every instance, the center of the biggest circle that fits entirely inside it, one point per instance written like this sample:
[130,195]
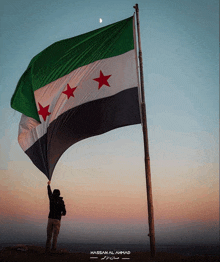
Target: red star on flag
[69,91]
[43,111]
[102,80]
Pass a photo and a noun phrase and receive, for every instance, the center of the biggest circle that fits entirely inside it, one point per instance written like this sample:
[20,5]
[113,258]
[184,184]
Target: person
[57,209]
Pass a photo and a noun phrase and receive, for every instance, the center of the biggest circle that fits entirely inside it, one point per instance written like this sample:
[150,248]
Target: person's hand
[48,182]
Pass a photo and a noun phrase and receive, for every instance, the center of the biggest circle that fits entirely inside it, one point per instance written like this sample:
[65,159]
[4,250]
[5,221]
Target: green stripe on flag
[64,56]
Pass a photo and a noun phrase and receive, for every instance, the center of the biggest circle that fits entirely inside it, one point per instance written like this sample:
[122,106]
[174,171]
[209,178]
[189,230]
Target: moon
[100,20]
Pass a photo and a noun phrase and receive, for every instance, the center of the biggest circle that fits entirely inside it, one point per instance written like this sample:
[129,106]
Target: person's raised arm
[49,189]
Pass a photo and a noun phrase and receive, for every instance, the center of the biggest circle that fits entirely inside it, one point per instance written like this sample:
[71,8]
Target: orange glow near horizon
[104,201]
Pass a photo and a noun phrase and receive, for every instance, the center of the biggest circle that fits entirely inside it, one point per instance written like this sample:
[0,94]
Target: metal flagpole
[146,146]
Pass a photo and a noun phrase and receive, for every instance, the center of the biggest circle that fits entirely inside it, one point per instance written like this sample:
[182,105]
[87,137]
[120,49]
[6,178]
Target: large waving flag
[77,88]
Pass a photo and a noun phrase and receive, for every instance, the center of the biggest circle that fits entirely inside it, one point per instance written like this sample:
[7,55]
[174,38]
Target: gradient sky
[102,178]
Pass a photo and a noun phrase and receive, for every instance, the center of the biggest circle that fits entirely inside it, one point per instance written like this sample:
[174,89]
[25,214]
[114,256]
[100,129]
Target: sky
[102,179]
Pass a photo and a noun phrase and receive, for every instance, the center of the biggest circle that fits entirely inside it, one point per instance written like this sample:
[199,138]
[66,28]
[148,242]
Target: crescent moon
[100,20]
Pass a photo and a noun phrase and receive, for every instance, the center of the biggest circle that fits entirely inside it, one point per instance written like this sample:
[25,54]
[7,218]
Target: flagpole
[146,146]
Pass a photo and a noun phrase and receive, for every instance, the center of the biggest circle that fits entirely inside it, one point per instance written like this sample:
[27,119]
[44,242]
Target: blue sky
[180,56]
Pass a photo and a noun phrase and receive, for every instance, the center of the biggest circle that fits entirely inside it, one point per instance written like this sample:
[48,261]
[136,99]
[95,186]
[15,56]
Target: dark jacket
[57,206]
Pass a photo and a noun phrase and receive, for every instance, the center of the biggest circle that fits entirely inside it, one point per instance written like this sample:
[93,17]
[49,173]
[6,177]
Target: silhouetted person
[57,209]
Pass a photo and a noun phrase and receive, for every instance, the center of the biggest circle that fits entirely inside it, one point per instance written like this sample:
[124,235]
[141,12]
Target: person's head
[56,192]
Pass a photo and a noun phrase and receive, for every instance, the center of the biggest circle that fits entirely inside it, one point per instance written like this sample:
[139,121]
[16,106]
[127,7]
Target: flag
[75,89]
